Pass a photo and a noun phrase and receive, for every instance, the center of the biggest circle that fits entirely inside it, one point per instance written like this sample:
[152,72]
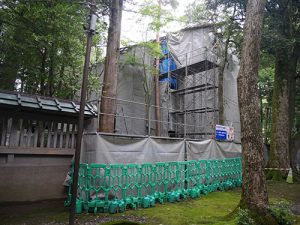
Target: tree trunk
[293,154]
[156,83]
[221,82]
[294,139]
[279,150]
[254,192]
[266,126]
[43,72]
[224,58]
[285,70]
[157,96]
[51,72]
[109,92]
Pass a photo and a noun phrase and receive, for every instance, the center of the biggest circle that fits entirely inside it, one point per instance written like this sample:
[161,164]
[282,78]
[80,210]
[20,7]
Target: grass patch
[215,208]
[210,209]
[122,222]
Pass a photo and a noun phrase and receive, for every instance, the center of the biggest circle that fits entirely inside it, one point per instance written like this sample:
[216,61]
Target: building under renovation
[37,134]
[189,71]
[188,74]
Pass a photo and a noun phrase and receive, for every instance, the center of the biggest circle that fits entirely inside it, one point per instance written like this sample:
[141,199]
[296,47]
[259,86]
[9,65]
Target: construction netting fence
[116,187]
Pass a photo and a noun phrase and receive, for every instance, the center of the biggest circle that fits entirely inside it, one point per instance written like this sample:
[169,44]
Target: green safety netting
[116,187]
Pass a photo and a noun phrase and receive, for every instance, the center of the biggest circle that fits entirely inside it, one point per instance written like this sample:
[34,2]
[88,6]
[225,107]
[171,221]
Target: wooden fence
[33,133]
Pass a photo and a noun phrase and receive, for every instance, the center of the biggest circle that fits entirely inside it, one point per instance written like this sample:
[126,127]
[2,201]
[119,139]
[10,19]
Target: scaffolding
[192,105]
[187,111]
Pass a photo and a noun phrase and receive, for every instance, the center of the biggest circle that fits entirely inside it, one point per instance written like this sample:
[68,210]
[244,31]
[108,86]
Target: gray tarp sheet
[211,149]
[191,46]
[195,45]
[98,148]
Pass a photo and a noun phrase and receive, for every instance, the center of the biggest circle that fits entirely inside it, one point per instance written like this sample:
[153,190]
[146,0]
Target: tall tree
[294,122]
[154,15]
[42,46]
[156,77]
[254,192]
[109,90]
[286,51]
[158,17]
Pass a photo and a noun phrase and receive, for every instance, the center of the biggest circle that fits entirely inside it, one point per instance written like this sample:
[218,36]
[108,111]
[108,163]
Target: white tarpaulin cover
[98,148]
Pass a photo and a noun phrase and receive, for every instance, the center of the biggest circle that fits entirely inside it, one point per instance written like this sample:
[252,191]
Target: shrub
[282,213]
[244,218]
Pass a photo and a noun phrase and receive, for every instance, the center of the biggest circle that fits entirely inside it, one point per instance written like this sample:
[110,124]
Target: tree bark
[156,83]
[109,92]
[254,192]
[294,139]
[43,71]
[51,72]
[279,149]
[283,98]
[221,82]
[224,62]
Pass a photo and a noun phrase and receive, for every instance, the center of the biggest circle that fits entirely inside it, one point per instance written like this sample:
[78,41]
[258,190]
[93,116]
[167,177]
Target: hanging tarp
[114,149]
[191,45]
[98,148]
[211,149]
[167,65]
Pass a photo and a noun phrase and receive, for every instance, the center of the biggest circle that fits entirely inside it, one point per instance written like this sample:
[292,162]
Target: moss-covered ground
[215,208]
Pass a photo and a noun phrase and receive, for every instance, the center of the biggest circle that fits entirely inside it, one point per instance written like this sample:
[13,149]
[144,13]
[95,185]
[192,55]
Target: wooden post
[90,34]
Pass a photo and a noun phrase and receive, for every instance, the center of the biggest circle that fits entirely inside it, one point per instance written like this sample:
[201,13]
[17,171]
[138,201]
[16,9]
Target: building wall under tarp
[186,47]
[193,45]
[131,109]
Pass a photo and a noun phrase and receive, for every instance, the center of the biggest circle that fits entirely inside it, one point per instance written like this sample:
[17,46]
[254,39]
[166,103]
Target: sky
[134,30]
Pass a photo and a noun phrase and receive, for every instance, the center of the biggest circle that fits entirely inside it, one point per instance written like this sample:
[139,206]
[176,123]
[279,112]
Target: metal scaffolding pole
[184,98]
[168,91]
[205,97]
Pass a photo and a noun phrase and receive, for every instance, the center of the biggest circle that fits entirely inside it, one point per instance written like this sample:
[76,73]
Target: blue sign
[221,133]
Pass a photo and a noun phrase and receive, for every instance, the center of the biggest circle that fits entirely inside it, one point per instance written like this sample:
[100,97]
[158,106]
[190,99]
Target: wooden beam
[36,151]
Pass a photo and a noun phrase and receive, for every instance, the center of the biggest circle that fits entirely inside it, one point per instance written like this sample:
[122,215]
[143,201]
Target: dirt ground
[210,209]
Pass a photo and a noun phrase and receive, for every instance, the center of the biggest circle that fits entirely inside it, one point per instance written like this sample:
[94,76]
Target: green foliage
[43,46]
[281,26]
[152,48]
[265,83]
[197,13]
[157,14]
[265,86]
[121,222]
[266,78]
[282,213]
[244,218]
[132,60]
[149,48]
